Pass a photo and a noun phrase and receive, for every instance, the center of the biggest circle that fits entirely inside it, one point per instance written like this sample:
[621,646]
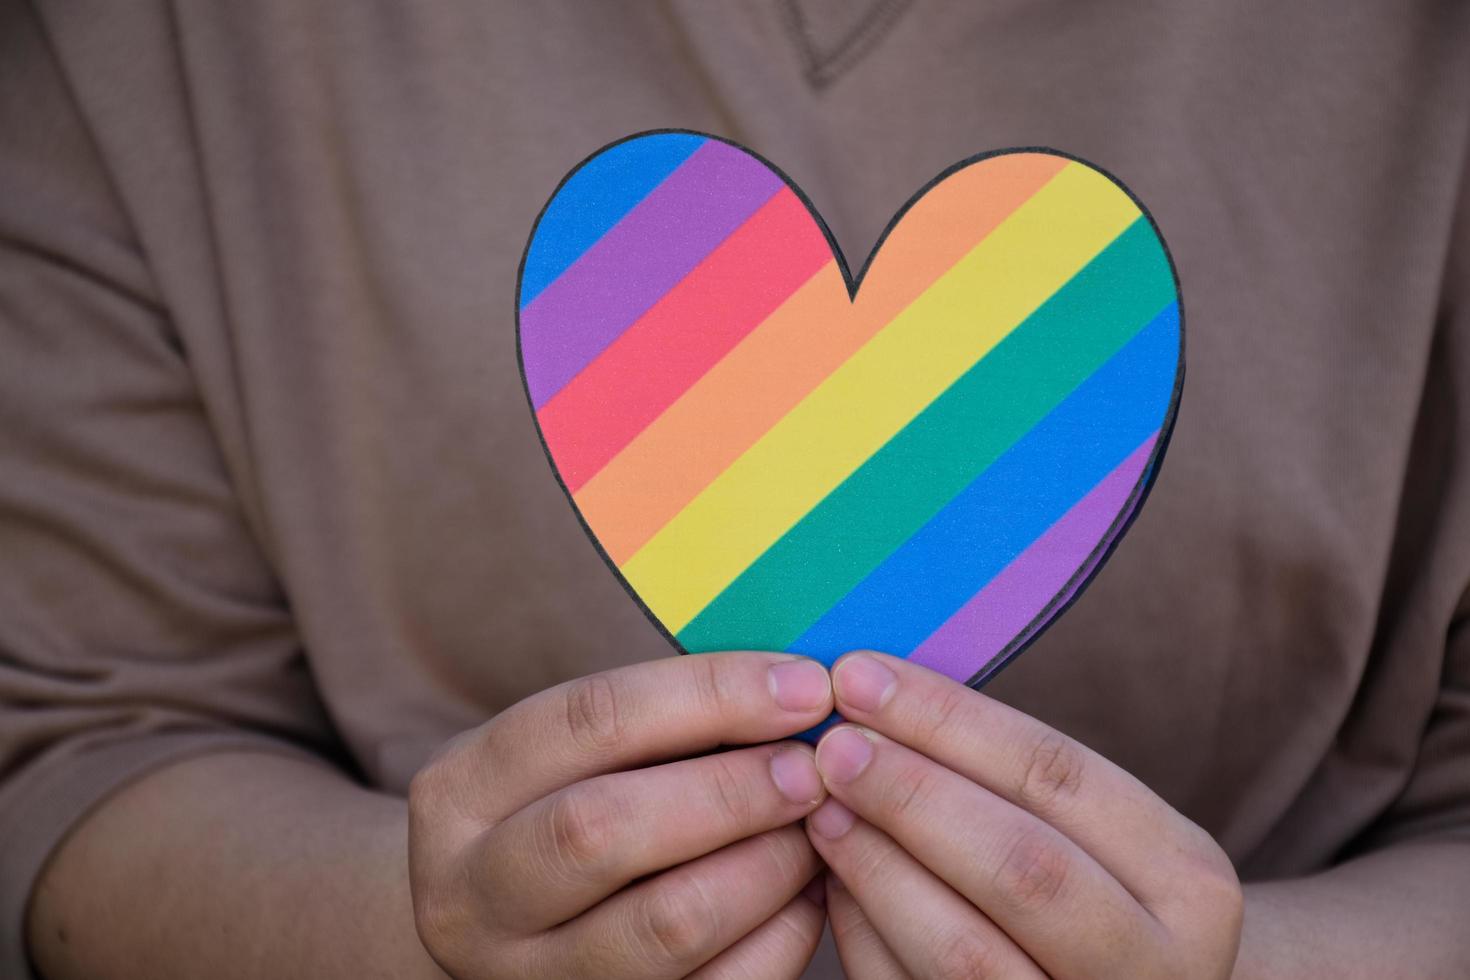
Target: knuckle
[423,790]
[790,852]
[580,828]
[935,719]
[1220,870]
[430,915]
[964,955]
[442,927]
[1215,893]
[594,714]
[1032,872]
[848,920]
[713,688]
[730,793]
[879,866]
[1053,774]
[679,923]
[1228,895]
[438,798]
[1206,877]
[796,931]
[438,779]
[910,792]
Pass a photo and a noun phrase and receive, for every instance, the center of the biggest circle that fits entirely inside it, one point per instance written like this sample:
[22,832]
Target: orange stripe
[749,276]
[788,355]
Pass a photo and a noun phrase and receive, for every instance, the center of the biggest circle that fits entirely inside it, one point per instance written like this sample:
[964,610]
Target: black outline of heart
[1096,559]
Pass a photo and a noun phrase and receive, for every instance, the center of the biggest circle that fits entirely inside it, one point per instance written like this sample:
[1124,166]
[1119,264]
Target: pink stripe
[1005,608]
[637,261]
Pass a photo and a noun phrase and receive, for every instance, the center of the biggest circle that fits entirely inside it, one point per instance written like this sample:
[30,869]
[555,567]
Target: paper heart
[932,459]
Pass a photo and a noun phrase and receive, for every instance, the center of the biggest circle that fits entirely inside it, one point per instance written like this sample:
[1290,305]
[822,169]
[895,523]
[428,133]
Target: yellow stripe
[877,391]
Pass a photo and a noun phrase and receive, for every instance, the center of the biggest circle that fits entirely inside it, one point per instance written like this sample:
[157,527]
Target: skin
[967,839]
[526,835]
[974,840]
[252,864]
[590,830]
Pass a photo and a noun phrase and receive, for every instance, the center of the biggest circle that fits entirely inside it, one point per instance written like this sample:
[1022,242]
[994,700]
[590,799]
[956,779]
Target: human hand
[556,840]
[974,840]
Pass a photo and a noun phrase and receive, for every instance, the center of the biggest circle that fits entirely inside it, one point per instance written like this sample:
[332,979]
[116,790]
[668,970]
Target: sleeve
[1435,802]
[139,619]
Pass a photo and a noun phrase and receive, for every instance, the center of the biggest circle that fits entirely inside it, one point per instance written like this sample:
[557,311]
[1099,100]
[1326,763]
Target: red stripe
[681,337]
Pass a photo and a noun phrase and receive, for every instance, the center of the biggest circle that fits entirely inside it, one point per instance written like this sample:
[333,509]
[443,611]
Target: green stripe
[934,457]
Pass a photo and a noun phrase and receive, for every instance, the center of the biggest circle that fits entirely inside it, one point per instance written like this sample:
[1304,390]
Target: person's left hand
[974,840]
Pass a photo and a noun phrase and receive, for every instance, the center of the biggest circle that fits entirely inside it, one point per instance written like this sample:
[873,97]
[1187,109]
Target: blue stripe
[1010,505]
[595,198]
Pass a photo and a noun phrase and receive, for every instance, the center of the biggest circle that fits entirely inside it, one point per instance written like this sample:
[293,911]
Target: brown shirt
[268,477]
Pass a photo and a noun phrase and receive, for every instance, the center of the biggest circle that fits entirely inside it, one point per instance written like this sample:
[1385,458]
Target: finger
[933,931]
[781,947]
[862,951]
[632,716]
[676,922]
[1110,814]
[1040,888]
[564,853]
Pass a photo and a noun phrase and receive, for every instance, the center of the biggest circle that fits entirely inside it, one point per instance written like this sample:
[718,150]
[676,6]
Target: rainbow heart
[772,458]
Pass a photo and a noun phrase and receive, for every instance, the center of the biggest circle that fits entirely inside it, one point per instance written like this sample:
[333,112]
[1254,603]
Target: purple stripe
[637,261]
[1006,606]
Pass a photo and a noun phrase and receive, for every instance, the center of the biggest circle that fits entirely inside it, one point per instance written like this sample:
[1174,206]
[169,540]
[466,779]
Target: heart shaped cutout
[931,459]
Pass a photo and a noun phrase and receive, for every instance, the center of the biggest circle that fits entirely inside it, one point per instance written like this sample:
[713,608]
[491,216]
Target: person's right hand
[557,840]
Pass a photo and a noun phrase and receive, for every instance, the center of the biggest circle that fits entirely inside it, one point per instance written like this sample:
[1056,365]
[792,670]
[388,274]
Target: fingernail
[843,754]
[831,820]
[816,891]
[863,682]
[799,685]
[796,776]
